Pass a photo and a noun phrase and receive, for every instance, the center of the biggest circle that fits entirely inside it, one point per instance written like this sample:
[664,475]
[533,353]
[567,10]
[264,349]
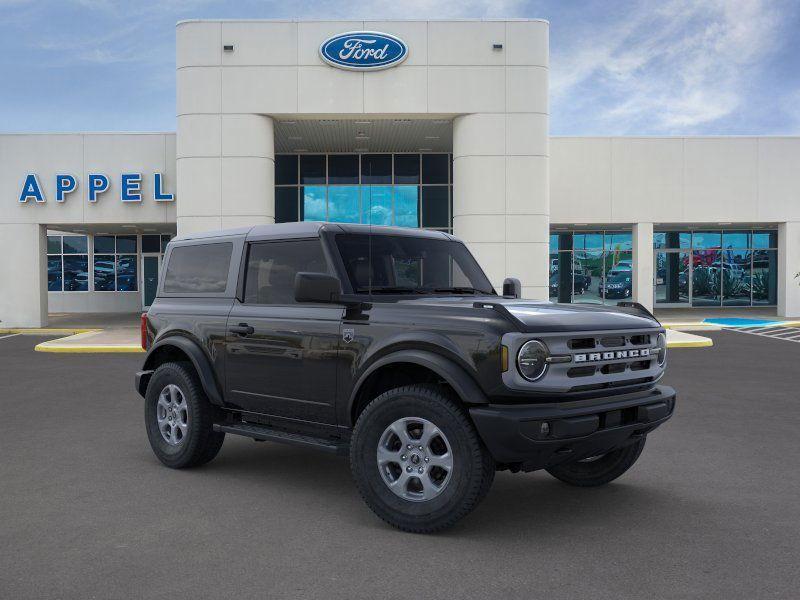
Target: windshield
[410,265]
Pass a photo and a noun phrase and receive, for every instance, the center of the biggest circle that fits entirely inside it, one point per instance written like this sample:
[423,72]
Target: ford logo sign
[363,50]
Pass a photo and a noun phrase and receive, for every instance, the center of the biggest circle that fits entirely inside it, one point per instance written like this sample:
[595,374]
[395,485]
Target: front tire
[179,418]
[417,460]
[599,470]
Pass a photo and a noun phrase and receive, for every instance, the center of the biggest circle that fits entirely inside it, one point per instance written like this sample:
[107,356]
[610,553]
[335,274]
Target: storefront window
[115,263]
[719,268]
[601,267]
[67,263]
[406,190]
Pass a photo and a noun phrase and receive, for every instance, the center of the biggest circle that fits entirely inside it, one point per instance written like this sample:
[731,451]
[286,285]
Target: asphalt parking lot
[711,510]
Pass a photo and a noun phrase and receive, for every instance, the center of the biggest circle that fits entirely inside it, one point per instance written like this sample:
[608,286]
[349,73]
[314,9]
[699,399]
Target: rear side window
[272,266]
[198,269]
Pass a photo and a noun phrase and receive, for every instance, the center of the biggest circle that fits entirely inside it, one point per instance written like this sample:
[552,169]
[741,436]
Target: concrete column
[23,271]
[226,171]
[501,203]
[788,266]
[642,280]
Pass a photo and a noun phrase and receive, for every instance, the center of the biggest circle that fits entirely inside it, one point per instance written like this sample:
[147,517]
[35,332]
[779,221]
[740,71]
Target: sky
[617,67]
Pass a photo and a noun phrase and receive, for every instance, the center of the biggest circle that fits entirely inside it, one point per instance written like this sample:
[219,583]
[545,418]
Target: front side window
[272,266]
[384,264]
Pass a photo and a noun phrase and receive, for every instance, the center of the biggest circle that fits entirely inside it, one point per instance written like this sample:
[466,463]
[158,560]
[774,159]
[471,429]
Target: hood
[538,316]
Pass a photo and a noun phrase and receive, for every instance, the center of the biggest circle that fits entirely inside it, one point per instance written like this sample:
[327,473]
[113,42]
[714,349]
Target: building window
[67,263]
[406,190]
[594,267]
[716,268]
[115,264]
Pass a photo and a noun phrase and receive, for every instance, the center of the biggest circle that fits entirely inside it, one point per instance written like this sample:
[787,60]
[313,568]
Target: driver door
[281,355]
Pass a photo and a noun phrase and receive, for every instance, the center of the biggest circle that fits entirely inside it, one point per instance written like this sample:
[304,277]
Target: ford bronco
[391,346]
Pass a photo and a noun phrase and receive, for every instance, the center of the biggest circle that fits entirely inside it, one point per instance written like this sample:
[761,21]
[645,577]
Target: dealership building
[434,124]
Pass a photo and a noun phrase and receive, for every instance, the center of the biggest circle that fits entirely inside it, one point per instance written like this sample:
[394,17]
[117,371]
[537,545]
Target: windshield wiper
[388,289]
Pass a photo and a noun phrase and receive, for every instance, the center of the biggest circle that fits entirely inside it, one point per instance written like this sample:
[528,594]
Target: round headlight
[661,345]
[531,360]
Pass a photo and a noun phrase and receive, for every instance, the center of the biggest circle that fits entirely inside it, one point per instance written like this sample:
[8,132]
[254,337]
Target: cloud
[669,68]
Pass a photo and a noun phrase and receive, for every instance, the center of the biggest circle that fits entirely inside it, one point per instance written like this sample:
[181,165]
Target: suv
[390,346]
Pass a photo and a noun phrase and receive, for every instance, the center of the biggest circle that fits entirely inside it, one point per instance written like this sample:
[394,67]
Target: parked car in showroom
[617,285]
[391,347]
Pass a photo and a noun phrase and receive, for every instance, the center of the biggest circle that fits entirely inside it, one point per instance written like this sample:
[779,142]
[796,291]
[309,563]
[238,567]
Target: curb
[96,349]
[46,331]
[704,343]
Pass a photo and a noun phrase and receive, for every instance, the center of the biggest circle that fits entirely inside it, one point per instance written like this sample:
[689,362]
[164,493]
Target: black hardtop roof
[309,229]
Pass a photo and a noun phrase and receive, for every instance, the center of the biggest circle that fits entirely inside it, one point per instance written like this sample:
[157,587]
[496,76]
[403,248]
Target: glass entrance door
[151,265]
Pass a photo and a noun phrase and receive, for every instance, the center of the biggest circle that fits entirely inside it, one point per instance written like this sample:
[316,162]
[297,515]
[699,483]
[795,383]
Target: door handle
[242,329]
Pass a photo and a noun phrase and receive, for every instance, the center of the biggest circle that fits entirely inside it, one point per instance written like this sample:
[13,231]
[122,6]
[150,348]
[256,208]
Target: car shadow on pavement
[522,502]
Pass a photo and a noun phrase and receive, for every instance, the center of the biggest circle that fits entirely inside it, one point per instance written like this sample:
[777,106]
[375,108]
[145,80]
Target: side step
[268,434]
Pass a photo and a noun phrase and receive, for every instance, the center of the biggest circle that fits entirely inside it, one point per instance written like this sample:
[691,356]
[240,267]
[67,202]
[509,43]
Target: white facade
[248,91]
[495,96]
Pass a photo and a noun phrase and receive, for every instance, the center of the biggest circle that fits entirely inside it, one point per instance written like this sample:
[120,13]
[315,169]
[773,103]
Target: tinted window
[312,168]
[75,244]
[151,243]
[104,244]
[286,169]
[76,274]
[126,244]
[272,266]
[406,168]
[343,168]
[434,168]
[376,168]
[286,205]
[434,207]
[54,244]
[200,269]
[104,272]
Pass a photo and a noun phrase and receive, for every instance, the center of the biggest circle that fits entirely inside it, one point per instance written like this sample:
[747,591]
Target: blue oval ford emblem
[363,50]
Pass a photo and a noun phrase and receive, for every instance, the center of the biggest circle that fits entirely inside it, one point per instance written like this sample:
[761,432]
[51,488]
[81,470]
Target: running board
[268,434]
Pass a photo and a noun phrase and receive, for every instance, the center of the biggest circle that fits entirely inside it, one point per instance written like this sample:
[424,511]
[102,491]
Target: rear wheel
[417,460]
[601,469]
[179,418]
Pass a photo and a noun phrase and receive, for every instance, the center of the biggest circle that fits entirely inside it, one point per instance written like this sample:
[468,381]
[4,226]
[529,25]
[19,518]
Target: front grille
[584,361]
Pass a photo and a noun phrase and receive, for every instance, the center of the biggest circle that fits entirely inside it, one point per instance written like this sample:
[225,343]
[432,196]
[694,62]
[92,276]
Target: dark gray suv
[391,346]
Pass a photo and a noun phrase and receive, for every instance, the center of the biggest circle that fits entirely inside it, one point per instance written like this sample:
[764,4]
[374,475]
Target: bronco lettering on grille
[616,355]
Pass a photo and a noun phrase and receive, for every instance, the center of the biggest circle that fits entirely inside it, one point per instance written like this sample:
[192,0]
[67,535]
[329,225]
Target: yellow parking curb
[46,331]
[96,349]
[704,343]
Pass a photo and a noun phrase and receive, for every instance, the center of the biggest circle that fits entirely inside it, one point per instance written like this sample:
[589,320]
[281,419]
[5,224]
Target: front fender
[198,358]
[461,381]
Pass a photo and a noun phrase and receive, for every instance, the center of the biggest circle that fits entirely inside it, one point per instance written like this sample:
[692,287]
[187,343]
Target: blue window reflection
[76,273]
[343,204]
[618,241]
[406,205]
[707,239]
[126,273]
[54,279]
[104,272]
[314,203]
[376,204]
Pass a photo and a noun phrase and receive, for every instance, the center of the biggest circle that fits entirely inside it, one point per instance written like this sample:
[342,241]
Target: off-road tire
[601,471]
[473,466]
[201,443]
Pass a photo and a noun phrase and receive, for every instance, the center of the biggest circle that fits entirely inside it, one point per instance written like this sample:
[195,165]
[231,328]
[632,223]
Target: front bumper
[535,436]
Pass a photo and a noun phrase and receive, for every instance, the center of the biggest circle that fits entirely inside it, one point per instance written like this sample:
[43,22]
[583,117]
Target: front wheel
[179,418]
[599,470]
[418,461]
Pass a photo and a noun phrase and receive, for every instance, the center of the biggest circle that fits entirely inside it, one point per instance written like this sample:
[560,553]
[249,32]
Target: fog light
[545,428]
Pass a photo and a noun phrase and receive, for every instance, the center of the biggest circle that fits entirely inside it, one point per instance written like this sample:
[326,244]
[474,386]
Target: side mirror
[317,287]
[512,287]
